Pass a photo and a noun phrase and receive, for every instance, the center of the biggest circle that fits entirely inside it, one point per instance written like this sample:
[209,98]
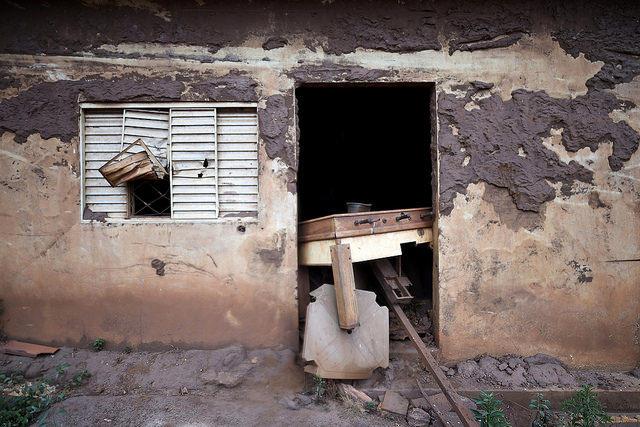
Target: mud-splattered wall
[538,168]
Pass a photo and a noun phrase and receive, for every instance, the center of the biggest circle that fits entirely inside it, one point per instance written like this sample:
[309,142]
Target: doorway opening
[369,144]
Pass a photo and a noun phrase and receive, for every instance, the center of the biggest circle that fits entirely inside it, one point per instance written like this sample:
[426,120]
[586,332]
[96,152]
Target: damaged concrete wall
[537,138]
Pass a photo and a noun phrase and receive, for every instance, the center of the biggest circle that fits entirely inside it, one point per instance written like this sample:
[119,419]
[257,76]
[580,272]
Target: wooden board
[345,286]
[363,248]
[364,223]
[19,348]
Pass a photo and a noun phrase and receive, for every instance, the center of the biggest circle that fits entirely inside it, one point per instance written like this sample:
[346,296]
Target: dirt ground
[194,387]
[233,386]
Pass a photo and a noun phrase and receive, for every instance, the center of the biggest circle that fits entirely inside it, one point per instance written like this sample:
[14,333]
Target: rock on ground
[418,417]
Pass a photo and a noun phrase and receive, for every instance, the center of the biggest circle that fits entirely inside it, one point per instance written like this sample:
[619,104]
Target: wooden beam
[463,412]
[345,286]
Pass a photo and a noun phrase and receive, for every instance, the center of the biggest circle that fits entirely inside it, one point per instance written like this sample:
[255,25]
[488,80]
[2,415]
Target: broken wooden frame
[128,166]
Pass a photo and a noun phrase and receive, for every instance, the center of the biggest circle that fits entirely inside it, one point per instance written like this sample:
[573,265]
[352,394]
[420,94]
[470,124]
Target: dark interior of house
[368,144]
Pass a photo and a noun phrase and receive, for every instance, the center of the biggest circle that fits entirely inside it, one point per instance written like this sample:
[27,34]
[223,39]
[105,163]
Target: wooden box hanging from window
[135,162]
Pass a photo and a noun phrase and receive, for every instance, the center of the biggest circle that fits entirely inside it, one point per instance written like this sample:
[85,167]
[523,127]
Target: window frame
[87,106]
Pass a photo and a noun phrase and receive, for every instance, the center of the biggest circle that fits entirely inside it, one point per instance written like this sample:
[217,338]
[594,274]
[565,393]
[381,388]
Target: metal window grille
[151,198]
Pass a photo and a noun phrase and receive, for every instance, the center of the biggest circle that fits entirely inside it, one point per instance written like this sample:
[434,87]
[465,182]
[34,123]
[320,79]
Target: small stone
[514,362]
[254,360]
[184,391]
[421,403]
[636,372]
[509,371]
[303,399]
[444,369]
[418,417]
[451,372]
[467,369]
[289,403]
[503,366]
[394,402]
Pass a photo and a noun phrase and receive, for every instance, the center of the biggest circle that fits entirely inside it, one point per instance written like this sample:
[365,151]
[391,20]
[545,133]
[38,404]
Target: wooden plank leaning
[345,286]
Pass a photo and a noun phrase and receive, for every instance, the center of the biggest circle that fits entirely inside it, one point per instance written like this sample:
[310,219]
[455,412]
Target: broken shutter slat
[238,162]
[102,139]
[194,164]
[152,126]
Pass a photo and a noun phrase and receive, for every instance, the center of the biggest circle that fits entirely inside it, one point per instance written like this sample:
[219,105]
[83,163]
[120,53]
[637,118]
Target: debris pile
[423,411]
[540,370]
[418,313]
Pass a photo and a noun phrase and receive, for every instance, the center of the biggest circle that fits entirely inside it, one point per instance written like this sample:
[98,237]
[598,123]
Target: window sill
[124,221]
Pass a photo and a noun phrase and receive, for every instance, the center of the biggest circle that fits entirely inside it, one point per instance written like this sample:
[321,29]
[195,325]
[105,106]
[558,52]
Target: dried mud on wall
[544,191]
[537,134]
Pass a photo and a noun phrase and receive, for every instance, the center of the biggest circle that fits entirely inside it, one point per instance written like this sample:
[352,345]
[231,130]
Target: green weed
[542,409]
[98,344]
[584,409]
[489,411]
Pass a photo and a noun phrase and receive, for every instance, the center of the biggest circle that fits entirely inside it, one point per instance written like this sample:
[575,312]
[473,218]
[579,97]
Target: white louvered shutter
[152,126]
[194,163]
[238,162]
[102,141]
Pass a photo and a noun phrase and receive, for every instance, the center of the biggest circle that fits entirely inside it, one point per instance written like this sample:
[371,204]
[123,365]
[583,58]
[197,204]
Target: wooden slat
[233,181]
[192,155]
[97,207]
[194,130]
[238,189]
[194,198]
[237,155]
[181,181]
[193,146]
[238,207]
[237,121]
[191,138]
[194,189]
[238,198]
[147,115]
[194,215]
[105,190]
[180,206]
[104,199]
[147,124]
[181,121]
[193,112]
[238,164]
[237,129]
[245,173]
[247,138]
[345,287]
[98,155]
[194,173]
